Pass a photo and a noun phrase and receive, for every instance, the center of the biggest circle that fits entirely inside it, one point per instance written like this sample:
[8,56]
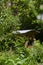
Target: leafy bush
[20,15]
[24,56]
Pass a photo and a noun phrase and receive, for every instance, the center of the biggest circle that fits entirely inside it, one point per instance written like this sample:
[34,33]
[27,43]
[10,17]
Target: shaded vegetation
[16,15]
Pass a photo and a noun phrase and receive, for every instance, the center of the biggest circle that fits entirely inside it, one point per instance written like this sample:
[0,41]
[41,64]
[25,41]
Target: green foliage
[28,56]
[27,12]
[8,22]
[9,40]
[14,15]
